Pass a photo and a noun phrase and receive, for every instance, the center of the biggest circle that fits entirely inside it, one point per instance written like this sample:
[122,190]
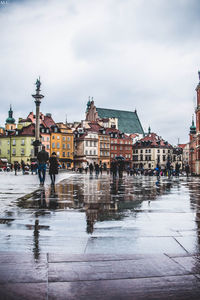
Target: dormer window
[42,130]
[55,129]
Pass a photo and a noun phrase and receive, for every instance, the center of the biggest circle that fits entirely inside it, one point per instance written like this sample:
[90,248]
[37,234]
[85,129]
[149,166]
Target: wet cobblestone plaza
[99,238]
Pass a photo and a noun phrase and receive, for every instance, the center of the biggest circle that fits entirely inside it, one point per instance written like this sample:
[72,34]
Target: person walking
[91,168]
[53,167]
[97,170]
[187,169]
[23,167]
[16,167]
[42,157]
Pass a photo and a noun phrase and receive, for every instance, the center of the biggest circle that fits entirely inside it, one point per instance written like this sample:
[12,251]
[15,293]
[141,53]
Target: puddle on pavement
[136,210]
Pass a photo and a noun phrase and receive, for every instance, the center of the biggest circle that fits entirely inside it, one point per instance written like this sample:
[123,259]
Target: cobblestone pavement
[95,238]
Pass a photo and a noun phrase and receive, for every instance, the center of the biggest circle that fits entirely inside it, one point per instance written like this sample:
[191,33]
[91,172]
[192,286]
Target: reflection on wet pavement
[83,214]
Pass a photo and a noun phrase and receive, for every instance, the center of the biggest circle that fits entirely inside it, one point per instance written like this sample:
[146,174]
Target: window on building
[64,146]
[14,142]
[90,152]
[68,154]
[149,150]
[55,129]
[42,130]
[86,143]
[64,138]
[43,139]
[22,151]
[32,152]
[53,137]
[112,155]
[164,157]
[68,146]
[53,145]
[48,147]
[163,151]
[95,144]
[141,157]
[158,151]
[90,143]
[94,152]
[8,142]
[47,139]
[58,153]
[115,147]
[13,151]
[23,143]
[68,139]
[63,154]
[58,145]
[8,151]
[141,151]
[101,153]
[58,137]
[86,152]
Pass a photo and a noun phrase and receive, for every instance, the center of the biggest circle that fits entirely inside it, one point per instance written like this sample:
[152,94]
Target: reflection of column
[36,250]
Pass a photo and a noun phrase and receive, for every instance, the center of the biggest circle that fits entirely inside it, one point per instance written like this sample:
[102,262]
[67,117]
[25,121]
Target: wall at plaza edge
[194,143]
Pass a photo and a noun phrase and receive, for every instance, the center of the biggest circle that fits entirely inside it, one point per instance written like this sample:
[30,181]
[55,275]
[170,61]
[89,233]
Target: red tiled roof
[182,145]
[154,139]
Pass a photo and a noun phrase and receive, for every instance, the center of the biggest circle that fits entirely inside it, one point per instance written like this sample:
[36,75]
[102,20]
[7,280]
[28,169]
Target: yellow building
[62,142]
[17,145]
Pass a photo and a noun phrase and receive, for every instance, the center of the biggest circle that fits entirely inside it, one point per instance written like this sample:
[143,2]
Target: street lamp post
[37,98]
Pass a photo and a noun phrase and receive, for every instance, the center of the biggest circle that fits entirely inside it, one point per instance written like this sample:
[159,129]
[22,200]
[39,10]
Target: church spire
[192,127]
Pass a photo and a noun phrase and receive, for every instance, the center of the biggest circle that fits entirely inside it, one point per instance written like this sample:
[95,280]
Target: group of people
[43,158]
[40,166]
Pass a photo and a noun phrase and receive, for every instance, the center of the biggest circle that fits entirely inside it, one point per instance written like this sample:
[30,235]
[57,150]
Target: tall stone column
[37,98]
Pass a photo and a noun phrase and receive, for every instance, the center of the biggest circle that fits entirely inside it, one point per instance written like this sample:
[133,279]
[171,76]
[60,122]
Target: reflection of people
[36,249]
[53,167]
[53,204]
[42,157]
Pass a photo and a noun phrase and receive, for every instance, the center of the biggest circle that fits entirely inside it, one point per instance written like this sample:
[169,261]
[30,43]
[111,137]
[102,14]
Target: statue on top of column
[38,84]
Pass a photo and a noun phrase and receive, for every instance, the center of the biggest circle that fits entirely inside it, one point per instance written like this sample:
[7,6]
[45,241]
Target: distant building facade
[125,121]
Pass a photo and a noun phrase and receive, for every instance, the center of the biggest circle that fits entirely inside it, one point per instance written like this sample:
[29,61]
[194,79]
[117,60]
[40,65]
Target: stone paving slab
[23,291]
[59,276]
[119,269]
[160,288]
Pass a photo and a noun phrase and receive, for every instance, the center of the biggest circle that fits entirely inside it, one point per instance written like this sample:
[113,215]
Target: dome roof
[10,119]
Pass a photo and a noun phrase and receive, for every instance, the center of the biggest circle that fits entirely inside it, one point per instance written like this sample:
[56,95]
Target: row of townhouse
[84,143]
[16,142]
[96,144]
[152,150]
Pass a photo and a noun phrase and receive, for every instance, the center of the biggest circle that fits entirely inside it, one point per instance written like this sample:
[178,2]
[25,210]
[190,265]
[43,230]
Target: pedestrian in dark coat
[15,167]
[53,167]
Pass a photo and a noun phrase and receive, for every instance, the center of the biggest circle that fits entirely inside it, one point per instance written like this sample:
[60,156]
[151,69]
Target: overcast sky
[127,54]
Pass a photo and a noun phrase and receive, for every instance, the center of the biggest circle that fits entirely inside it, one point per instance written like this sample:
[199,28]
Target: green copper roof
[128,121]
[10,119]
